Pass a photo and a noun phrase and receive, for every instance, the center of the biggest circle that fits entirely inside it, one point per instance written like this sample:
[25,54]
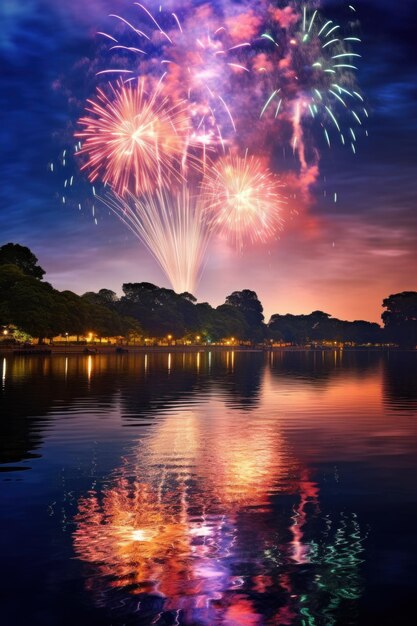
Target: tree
[400,318]
[155,308]
[185,305]
[36,308]
[230,322]
[105,322]
[160,311]
[78,314]
[23,258]
[108,296]
[206,321]
[31,305]
[320,326]
[138,292]
[361,332]
[291,328]
[131,329]
[248,304]
[188,296]
[105,297]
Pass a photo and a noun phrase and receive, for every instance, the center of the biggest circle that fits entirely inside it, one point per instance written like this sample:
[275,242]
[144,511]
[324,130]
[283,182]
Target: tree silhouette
[23,258]
[247,302]
[400,318]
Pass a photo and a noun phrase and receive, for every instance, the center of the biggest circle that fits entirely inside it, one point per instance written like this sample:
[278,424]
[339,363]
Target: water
[221,489]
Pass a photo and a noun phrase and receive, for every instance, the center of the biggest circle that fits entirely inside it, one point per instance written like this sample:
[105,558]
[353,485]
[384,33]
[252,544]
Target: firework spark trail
[201,56]
[133,139]
[313,66]
[173,227]
[242,196]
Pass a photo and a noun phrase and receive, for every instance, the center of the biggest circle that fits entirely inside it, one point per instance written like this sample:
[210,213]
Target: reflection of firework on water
[145,540]
[133,536]
[200,56]
[168,545]
[172,226]
[133,139]
[310,67]
[243,198]
[178,541]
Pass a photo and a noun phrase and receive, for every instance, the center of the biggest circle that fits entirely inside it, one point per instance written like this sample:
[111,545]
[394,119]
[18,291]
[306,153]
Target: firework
[243,198]
[310,67]
[172,226]
[133,139]
[217,78]
[200,56]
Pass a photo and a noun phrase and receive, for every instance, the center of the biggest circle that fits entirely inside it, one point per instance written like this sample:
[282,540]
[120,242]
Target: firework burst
[311,66]
[172,226]
[242,196]
[200,57]
[133,139]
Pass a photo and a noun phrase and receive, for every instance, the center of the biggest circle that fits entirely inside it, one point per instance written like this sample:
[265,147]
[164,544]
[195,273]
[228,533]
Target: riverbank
[93,349]
[113,349]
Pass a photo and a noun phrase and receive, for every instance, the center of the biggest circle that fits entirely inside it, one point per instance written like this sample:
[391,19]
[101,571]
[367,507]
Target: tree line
[148,311]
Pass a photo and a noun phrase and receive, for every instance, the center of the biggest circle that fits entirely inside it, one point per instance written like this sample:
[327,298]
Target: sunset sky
[342,257]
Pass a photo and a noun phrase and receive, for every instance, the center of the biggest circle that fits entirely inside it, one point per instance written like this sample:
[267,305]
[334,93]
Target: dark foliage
[38,309]
[319,326]
[248,304]
[400,318]
[145,309]
[23,258]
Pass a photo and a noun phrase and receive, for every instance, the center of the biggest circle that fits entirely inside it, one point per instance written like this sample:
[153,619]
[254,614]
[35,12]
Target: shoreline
[95,350]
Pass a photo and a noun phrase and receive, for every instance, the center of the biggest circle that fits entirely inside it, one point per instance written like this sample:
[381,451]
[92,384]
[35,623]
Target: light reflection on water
[188,523]
[209,488]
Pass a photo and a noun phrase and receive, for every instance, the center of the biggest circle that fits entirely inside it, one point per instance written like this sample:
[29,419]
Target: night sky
[342,257]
